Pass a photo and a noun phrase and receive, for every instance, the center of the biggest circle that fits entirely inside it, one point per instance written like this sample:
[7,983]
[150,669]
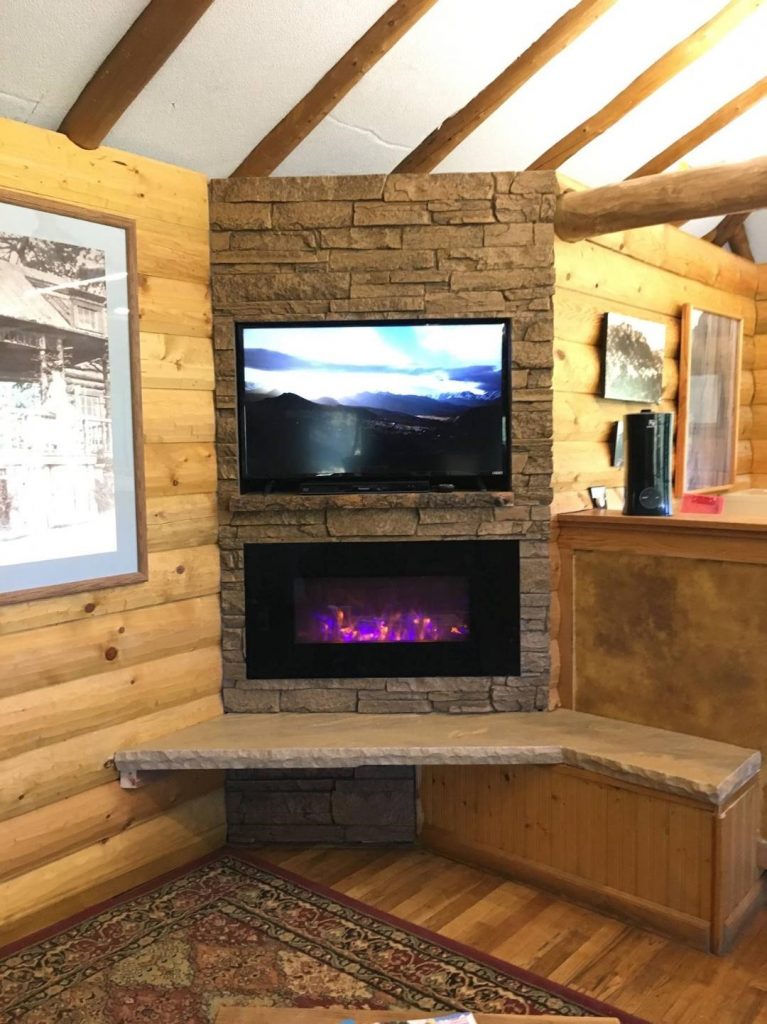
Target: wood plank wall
[648,273]
[69,836]
[759,410]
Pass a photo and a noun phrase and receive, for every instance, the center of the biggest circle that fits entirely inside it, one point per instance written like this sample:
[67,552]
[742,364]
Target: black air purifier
[648,463]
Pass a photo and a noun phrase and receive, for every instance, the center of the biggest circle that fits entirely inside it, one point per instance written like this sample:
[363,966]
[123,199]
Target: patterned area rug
[228,931]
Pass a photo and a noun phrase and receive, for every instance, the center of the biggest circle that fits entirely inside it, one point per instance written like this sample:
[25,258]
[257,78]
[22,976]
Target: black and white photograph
[633,359]
[65,391]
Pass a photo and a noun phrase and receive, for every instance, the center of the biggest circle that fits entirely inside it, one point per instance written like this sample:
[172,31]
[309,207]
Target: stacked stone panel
[396,247]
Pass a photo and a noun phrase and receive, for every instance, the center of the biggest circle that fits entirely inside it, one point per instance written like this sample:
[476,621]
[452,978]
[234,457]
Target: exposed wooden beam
[712,124]
[721,233]
[332,87]
[670,64]
[136,59]
[661,198]
[740,244]
[458,126]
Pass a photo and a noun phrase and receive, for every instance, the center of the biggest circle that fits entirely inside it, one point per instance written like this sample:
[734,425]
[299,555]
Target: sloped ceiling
[247,62]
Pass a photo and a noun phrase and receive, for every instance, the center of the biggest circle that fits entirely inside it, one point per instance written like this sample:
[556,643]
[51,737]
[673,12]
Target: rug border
[470,952]
[108,904]
[246,856]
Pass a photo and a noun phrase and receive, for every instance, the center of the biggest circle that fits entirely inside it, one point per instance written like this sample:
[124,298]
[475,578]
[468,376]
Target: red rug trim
[113,901]
[238,853]
[470,952]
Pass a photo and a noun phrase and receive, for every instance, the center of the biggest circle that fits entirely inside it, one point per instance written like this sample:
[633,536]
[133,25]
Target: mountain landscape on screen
[373,401]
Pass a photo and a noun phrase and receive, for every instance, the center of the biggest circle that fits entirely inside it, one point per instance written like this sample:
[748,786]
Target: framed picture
[709,390]
[71,481]
[633,359]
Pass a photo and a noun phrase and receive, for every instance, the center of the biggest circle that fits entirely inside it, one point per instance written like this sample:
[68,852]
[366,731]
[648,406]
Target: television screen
[423,402]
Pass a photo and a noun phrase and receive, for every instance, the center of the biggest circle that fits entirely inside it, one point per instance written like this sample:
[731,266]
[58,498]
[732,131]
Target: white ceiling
[247,62]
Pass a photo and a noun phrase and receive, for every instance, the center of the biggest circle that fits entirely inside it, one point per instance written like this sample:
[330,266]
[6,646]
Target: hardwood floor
[637,971]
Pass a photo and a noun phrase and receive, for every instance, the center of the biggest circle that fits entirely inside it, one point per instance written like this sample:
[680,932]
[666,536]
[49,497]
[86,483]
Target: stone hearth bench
[653,825]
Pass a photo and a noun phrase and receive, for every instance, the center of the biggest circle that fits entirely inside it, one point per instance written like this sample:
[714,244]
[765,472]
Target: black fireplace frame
[490,567]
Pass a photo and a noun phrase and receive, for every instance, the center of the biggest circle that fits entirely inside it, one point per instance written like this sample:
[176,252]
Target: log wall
[69,836]
[648,273]
[759,410]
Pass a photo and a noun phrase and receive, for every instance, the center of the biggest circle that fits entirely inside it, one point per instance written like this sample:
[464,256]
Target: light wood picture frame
[708,404]
[72,496]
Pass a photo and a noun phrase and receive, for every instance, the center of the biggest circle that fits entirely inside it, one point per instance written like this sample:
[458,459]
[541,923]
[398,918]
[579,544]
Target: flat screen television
[374,405]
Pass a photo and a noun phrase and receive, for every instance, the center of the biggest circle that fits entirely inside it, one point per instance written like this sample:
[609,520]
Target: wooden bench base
[676,864]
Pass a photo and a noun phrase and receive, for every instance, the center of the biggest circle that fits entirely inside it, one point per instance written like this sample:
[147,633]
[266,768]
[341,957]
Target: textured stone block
[394,259]
[506,234]
[319,700]
[288,808]
[441,237]
[248,702]
[376,802]
[419,187]
[391,213]
[466,303]
[236,291]
[282,190]
[241,216]
[461,707]
[379,706]
[268,241]
[385,291]
[445,685]
[295,216]
[372,522]
[532,354]
[362,238]
[381,305]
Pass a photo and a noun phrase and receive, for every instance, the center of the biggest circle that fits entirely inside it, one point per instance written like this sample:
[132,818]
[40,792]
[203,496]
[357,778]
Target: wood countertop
[687,535]
[682,521]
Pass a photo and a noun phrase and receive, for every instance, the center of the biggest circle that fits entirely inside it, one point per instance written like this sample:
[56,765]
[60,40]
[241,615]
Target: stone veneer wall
[372,804]
[402,246]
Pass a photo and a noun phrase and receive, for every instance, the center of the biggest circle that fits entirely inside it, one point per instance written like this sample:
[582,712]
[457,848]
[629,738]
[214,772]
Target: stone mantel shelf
[284,502]
[672,762]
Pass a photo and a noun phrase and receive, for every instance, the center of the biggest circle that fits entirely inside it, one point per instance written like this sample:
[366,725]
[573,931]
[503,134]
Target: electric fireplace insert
[421,608]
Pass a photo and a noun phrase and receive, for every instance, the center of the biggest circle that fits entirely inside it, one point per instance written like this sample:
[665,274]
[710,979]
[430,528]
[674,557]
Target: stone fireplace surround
[378,247]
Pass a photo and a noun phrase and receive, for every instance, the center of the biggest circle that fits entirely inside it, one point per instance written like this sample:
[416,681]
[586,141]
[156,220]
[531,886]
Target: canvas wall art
[633,359]
[71,500]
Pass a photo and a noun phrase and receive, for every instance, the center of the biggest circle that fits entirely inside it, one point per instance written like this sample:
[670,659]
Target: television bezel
[351,483]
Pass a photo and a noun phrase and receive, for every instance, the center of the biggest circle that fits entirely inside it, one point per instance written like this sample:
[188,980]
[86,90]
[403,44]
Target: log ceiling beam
[662,198]
[721,233]
[740,244]
[332,87]
[444,139]
[664,69]
[712,124]
[131,65]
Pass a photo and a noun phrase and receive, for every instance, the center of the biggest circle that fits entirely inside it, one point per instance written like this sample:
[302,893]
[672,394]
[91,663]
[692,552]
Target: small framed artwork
[709,389]
[71,482]
[633,359]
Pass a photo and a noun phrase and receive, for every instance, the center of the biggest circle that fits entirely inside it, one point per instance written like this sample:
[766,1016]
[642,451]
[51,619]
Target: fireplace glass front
[381,610]
[447,608]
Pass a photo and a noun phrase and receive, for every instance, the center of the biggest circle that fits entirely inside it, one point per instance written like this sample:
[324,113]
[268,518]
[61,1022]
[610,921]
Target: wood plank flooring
[635,970]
